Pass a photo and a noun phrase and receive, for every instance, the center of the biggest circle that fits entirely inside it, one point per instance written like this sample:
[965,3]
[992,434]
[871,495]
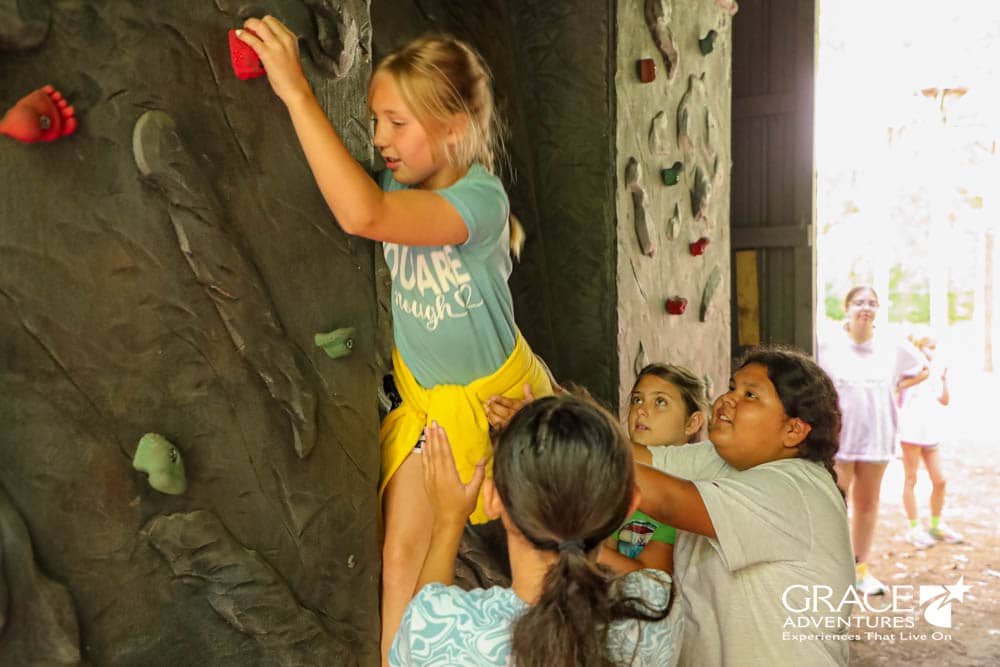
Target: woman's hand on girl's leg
[452,500]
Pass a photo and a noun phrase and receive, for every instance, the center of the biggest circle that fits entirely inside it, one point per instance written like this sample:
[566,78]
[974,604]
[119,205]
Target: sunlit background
[908,179]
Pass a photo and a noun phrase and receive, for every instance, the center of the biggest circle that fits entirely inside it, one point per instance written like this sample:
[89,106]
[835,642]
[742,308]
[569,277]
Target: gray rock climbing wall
[679,122]
[164,270]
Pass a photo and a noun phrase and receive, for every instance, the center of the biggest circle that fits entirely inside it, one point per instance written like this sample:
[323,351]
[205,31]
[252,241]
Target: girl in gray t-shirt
[761,523]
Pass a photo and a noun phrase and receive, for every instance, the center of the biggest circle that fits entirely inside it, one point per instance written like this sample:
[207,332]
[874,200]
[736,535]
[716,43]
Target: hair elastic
[570,545]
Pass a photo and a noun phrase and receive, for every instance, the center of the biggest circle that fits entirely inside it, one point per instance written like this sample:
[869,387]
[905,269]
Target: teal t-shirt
[639,530]
[452,313]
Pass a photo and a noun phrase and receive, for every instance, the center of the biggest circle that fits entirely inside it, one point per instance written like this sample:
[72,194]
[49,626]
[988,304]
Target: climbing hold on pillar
[707,43]
[672,174]
[633,181]
[676,305]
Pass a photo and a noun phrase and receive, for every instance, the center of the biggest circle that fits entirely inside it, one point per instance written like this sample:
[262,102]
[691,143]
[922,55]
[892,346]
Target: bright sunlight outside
[908,172]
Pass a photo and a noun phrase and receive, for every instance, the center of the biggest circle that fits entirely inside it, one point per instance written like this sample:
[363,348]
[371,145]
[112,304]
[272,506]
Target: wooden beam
[756,106]
[773,236]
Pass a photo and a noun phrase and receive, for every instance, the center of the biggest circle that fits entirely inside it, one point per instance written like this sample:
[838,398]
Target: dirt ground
[972,466]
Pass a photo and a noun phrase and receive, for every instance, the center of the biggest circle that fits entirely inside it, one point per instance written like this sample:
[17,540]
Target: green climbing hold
[337,343]
[161,461]
[707,43]
[672,174]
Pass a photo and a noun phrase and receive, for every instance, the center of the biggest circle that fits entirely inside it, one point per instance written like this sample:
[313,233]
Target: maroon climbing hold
[676,305]
[698,247]
[246,62]
[41,115]
[646,69]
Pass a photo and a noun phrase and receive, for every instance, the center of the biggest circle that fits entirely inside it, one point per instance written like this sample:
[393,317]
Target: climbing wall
[164,270]
[673,86]
[187,472]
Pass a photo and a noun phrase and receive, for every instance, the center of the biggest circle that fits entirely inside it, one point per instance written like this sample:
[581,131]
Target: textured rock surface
[37,617]
[127,308]
[686,120]
[133,304]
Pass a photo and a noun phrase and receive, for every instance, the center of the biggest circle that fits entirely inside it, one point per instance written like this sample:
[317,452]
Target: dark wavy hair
[563,468]
[806,392]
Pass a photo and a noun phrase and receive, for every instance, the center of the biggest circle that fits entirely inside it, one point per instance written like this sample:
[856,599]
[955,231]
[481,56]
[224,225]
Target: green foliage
[834,305]
[960,306]
[909,295]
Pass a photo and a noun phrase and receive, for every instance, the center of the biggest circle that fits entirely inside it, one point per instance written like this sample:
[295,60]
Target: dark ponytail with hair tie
[562,467]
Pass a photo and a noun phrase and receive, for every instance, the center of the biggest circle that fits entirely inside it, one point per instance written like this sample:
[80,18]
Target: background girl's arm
[945,397]
[655,555]
[911,380]
[673,501]
[409,217]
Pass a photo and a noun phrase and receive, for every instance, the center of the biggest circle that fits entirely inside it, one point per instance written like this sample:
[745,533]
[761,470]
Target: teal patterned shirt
[446,626]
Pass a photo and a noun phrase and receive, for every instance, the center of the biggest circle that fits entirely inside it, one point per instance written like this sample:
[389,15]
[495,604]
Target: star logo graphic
[957,590]
[939,598]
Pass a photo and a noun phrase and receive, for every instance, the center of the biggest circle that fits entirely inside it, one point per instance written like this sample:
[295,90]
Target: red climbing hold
[41,115]
[677,305]
[698,247]
[246,62]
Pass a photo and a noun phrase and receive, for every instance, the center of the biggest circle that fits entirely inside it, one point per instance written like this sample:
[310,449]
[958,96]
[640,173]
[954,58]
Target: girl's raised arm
[409,217]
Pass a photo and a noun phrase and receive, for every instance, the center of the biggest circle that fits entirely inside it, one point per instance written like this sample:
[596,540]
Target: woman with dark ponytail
[762,525]
[563,481]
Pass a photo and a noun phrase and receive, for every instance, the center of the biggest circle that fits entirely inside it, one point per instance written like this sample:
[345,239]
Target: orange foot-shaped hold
[42,115]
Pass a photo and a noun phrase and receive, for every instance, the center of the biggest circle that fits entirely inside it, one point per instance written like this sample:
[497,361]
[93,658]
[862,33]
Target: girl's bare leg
[938,483]
[408,518]
[865,489]
[845,475]
[911,465]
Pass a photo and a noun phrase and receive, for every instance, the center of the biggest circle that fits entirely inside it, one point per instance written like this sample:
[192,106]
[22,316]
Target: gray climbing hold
[657,13]
[674,224]
[660,140]
[640,360]
[708,293]
[633,180]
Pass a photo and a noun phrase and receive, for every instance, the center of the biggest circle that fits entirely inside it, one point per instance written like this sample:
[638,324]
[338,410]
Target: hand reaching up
[278,50]
[500,409]
[451,499]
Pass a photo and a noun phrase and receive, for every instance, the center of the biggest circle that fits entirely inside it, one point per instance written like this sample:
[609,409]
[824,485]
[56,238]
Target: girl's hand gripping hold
[278,50]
